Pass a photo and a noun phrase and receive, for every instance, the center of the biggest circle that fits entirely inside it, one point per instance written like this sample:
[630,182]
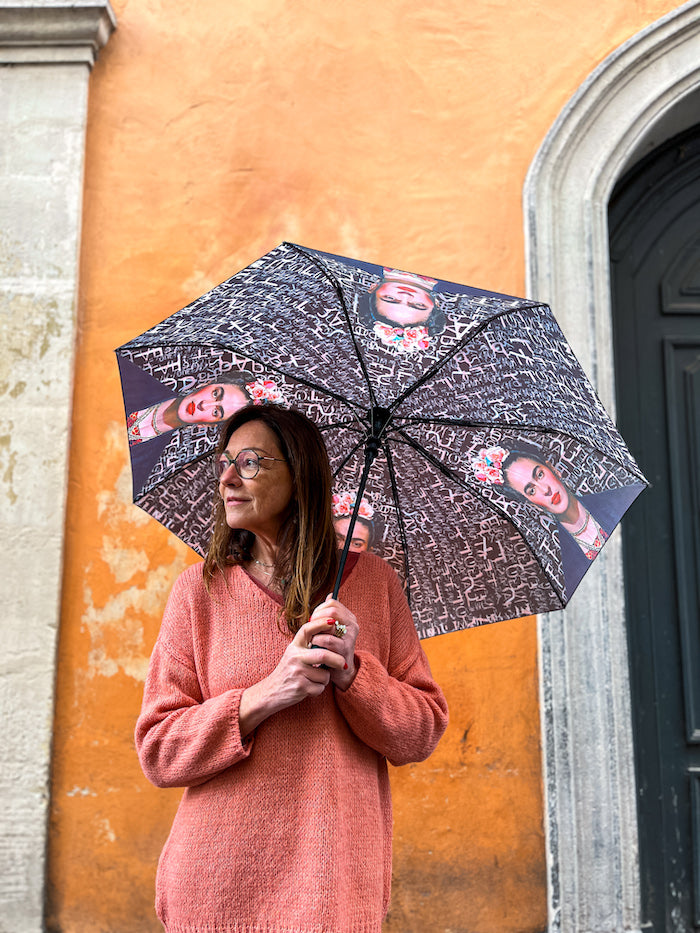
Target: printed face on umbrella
[403,312]
[403,304]
[361,534]
[343,506]
[403,299]
[541,485]
[211,403]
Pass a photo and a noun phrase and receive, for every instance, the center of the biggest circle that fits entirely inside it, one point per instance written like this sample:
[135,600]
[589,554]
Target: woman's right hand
[298,675]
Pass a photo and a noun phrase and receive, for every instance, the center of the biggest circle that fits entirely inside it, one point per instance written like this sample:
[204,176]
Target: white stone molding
[43,111]
[53,33]
[621,110]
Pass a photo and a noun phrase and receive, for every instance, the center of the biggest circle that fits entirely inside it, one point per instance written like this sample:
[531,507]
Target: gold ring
[339,630]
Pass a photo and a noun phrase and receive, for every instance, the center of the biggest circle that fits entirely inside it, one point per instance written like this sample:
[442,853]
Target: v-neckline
[350,563]
[276,597]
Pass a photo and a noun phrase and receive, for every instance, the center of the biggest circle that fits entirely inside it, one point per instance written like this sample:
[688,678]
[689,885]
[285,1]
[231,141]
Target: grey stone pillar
[46,53]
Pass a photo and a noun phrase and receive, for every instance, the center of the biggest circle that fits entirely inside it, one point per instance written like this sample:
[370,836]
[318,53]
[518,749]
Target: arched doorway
[646,86]
[655,277]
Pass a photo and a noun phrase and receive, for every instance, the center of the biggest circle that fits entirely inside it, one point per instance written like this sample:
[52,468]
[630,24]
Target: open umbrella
[469,449]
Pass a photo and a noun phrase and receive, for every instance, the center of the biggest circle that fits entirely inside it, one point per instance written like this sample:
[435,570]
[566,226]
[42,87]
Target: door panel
[655,261]
[682,356]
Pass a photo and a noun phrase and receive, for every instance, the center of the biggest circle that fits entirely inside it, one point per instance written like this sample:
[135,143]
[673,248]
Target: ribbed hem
[222,927]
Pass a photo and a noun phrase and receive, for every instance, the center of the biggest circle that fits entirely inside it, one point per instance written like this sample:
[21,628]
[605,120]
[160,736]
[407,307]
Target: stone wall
[46,53]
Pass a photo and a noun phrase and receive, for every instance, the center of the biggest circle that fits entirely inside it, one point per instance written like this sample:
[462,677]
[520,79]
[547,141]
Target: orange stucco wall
[396,132]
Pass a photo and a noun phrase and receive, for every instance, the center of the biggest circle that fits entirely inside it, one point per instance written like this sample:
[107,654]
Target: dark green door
[655,251]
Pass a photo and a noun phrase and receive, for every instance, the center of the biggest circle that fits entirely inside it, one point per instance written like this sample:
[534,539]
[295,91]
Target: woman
[402,311]
[285,823]
[209,404]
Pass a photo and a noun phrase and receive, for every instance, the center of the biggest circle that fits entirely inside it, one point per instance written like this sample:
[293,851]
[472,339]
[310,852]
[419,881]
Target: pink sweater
[289,832]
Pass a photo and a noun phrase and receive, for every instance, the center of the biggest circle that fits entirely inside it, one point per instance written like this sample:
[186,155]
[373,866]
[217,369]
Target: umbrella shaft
[371,451]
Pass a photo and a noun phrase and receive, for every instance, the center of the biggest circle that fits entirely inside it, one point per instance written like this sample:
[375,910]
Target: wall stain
[8,460]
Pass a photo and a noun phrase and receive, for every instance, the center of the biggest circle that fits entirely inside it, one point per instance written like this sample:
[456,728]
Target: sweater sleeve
[182,739]
[398,709]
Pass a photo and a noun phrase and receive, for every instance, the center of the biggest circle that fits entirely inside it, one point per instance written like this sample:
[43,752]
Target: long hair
[307,551]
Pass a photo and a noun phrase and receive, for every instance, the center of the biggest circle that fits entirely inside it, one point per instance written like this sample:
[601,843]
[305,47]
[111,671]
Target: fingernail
[346,667]
[330,622]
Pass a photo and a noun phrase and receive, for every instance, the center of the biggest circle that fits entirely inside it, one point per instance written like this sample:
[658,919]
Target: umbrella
[469,449]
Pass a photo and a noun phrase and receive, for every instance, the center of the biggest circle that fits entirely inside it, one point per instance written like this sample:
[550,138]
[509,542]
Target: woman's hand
[330,612]
[298,675]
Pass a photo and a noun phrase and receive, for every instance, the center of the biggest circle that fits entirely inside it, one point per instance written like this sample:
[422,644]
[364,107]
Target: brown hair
[307,555]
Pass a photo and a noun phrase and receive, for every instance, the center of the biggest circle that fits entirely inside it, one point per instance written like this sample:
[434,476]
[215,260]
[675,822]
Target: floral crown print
[488,466]
[344,503]
[405,340]
[264,390]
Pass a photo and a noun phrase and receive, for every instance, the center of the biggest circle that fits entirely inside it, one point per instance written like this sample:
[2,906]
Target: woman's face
[259,504]
[211,403]
[360,534]
[540,484]
[403,304]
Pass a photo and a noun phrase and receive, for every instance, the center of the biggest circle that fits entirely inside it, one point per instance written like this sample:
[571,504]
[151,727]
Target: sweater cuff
[244,743]
[365,683]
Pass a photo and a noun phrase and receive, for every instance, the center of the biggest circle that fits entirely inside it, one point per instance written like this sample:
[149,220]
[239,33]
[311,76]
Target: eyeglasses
[247,464]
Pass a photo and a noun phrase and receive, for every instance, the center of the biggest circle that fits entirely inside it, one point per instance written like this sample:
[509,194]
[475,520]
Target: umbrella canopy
[466,440]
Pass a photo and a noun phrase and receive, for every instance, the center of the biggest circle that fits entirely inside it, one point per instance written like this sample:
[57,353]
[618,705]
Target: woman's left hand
[334,612]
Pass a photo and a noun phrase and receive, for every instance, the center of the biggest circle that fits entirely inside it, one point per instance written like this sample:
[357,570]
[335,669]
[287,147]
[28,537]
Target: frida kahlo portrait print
[402,310]
[584,520]
[211,403]
[364,532]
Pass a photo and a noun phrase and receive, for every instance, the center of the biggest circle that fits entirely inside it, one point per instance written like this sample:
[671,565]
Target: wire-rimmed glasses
[247,463]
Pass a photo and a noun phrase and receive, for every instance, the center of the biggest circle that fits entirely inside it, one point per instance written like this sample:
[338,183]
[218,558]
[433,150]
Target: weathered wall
[389,132]
[43,111]
[39,279]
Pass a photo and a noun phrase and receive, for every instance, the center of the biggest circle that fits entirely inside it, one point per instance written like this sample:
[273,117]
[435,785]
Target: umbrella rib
[351,425]
[344,307]
[276,369]
[399,518]
[350,455]
[406,439]
[439,364]
[510,426]
[418,447]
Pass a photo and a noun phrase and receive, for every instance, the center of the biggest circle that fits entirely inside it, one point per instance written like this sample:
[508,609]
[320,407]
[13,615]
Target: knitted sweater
[289,831]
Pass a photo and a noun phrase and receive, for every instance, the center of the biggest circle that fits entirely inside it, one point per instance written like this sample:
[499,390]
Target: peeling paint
[80,792]
[116,629]
[115,506]
[124,562]
[105,829]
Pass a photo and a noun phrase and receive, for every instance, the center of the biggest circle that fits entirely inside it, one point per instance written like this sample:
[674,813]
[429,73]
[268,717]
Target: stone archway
[638,96]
